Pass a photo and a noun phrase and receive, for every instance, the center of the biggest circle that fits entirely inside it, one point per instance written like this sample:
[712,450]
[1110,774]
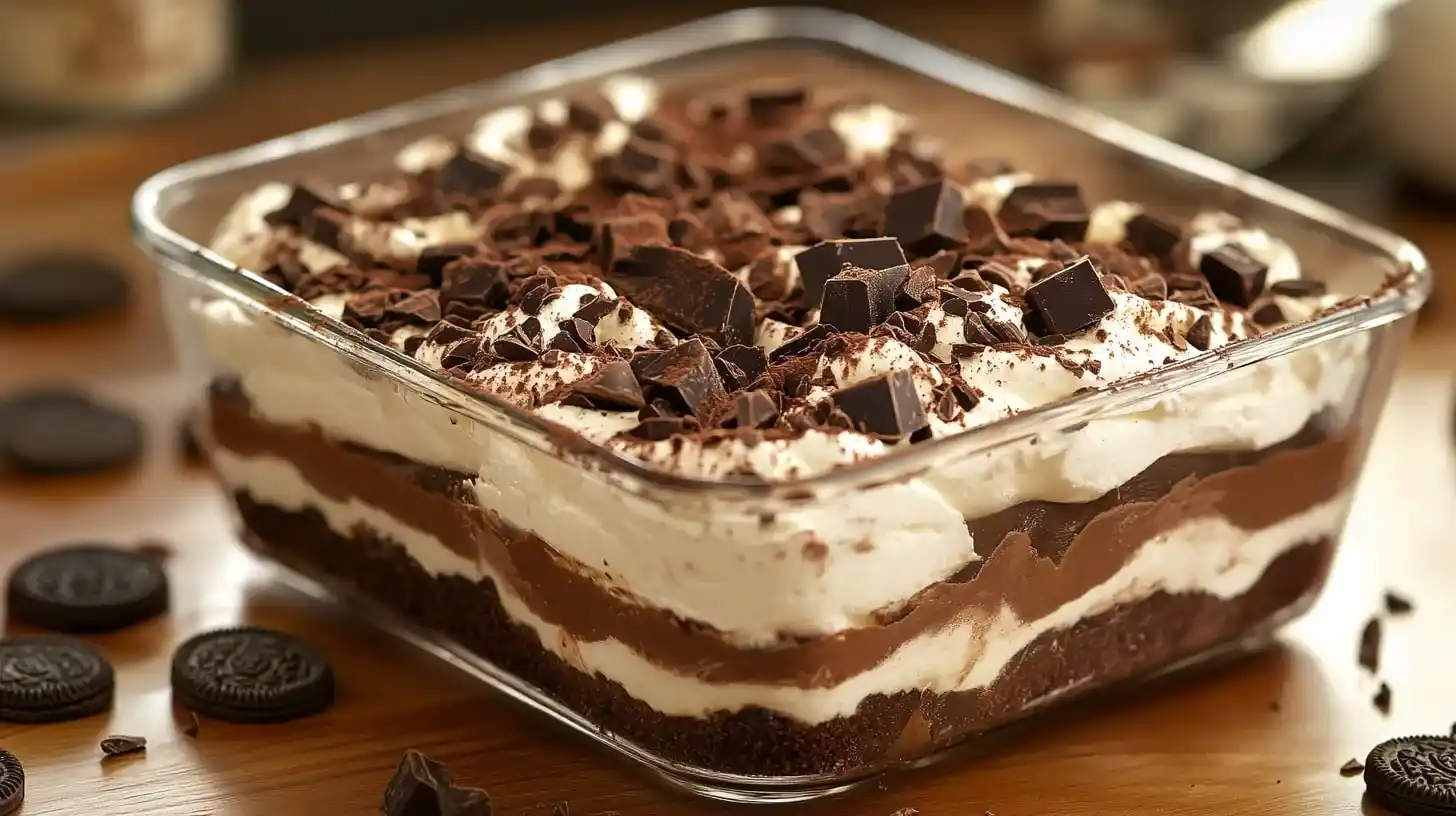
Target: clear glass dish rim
[736,29]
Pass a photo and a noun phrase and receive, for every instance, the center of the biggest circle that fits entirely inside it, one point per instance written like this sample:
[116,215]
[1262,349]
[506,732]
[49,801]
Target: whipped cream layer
[1203,555]
[817,569]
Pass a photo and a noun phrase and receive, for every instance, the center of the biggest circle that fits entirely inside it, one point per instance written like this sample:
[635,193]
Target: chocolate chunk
[1352,767]
[1398,604]
[904,321]
[434,259]
[751,360]
[826,215]
[957,301]
[1268,315]
[61,287]
[820,262]
[1381,701]
[731,375]
[803,151]
[423,787]
[976,332]
[302,202]
[326,227]
[252,675]
[1298,288]
[687,292]
[513,350]
[642,165]
[857,300]
[918,287]
[733,213]
[582,333]
[685,375]
[619,235]
[463,352]
[755,409]
[1233,274]
[1200,334]
[118,744]
[776,107]
[472,175]
[804,342]
[593,312]
[658,428]
[49,678]
[587,116]
[886,406]
[1151,287]
[446,332]
[1152,235]
[86,588]
[1047,210]
[979,224]
[944,264]
[422,307]
[1369,655]
[927,218]
[472,281]
[1069,301]
[612,388]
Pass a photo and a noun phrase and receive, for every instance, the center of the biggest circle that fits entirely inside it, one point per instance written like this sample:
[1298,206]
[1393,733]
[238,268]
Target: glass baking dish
[937,594]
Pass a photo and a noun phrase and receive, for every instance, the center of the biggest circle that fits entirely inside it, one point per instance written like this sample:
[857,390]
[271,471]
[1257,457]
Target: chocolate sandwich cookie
[87,588]
[60,287]
[251,675]
[1413,776]
[56,432]
[45,678]
[12,783]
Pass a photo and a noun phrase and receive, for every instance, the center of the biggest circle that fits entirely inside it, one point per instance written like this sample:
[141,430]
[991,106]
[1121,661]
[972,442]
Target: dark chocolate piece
[1200,334]
[687,292]
[472,175]
[802,151]
[1152,235]
[751,360]
[1070,300]
[1381,700]
[422,307]
[1235,276]
[887,406]
[251,675]
[472,281]
[434,259]
[755,409]
[820,262]
[120,744]
[1268,315]
[1298,288]
[918,287]
[857,300]
[643,165]
[302,202]
[657,428]
[685,375]
[61,287]
[619,235]
[612,388]
[927,218]
[87,588]
[776,107]
[1369,656]
[423,787]
[48,678]
[1396,604]
[803,342]
[1047,210]
[1352,767]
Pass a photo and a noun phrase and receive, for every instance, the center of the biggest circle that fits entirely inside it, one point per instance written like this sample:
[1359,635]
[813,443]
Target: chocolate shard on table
[773,318]
[688,292]
[1070,300]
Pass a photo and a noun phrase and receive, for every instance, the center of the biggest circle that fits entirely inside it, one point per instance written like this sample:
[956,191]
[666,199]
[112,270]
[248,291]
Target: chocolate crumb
[1369,656]
[1381,700]
[1352,767]
[1396,604]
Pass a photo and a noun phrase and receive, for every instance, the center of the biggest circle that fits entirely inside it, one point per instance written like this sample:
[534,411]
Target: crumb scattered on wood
[119,744]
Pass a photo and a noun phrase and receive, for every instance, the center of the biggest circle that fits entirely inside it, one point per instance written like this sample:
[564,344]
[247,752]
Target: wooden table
[1266,736]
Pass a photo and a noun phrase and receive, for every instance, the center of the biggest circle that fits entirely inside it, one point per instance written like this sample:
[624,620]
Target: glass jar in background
[111,57]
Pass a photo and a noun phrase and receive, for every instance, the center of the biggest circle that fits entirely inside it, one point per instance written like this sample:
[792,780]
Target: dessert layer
[762,285]
[1128,639]
[1210,529]
[880,546]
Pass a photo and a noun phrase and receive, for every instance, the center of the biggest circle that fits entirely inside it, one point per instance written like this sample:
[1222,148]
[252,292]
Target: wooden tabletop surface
[1266,736]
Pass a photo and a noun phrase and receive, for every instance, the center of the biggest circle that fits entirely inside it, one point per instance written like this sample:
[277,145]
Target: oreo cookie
[251,675]
[87,588]
[12,783]
[46,678]
[1413,776]
[60,287]
[57,432]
